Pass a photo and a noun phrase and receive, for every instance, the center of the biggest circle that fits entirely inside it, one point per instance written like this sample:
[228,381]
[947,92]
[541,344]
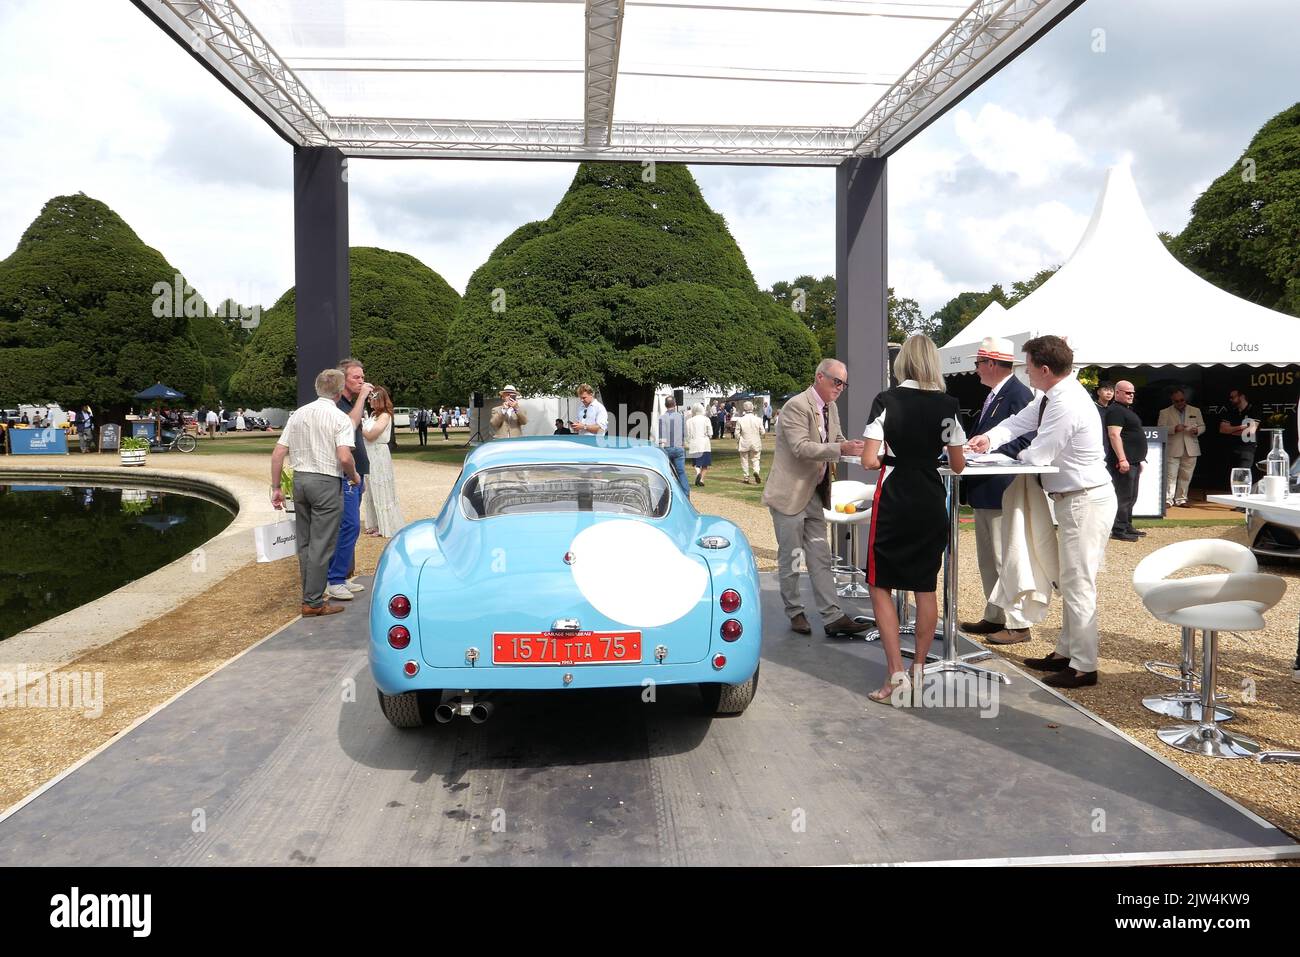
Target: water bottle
[1277,467]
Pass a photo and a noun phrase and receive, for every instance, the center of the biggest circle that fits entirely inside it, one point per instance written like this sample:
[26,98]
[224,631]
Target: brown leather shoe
[800,624]
[326,609]
[1008,636]
[981,627]
[1069,678]
[845,625]
[1051,663]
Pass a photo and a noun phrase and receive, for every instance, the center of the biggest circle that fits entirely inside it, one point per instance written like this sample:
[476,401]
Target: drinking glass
[1240,480]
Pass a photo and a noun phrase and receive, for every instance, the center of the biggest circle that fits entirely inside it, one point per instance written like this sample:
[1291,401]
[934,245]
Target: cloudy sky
[96,98]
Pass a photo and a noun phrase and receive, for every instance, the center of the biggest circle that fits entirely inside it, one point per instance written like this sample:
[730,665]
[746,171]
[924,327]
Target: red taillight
[719,662]
[399,606]
[731,630]
[730,600]
[399,637]
[412,668]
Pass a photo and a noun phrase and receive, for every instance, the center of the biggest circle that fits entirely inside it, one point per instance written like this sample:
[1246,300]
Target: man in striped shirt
[318,440]
[672,439]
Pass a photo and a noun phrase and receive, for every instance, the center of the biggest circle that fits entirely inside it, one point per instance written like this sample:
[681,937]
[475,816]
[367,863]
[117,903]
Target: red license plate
[566,648]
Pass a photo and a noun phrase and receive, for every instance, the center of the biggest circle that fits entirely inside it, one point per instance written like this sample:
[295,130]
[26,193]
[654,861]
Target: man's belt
[1057,496]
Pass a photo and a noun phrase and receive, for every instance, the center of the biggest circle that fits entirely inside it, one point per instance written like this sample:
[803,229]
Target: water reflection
[68,545]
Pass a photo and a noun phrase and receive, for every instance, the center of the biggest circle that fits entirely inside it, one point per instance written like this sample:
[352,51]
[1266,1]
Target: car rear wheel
[412,709]
[729,699]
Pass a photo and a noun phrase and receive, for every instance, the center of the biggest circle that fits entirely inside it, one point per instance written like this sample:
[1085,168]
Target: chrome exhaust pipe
[481,712]
[444,713]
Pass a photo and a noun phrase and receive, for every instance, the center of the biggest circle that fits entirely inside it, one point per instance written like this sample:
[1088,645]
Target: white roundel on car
[635,574]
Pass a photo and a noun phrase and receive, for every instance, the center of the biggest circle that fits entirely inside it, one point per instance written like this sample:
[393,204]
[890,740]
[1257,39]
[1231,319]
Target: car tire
[412,709]
[729,699]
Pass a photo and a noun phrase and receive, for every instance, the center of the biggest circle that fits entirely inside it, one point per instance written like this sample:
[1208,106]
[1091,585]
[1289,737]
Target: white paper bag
[276,541]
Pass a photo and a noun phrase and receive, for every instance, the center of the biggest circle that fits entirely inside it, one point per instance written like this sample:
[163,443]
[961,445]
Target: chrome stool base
[1209,741]
[1172,707]
[1278,757]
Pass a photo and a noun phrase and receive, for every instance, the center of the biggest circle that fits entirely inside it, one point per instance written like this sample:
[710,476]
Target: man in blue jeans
[353,403]
[672,439]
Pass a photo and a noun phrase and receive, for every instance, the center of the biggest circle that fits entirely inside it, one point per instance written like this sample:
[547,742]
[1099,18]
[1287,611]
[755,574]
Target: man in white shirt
[1069,437]
[318,440]
[592,418]
[210,421]
[1184,423]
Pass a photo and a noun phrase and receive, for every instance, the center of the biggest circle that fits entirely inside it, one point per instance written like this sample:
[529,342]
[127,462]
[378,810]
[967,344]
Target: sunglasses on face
[838,383]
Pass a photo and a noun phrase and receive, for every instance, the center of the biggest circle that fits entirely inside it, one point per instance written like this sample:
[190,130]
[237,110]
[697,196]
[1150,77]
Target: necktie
[1041,406]
[824,485]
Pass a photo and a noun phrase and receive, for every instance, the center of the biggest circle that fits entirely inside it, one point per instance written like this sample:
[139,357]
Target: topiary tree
[80,317]
[1243,235]
[632,282]
[400,309]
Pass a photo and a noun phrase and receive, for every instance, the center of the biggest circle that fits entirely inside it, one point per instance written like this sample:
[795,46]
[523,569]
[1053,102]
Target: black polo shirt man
[1124,429]
[1241,453]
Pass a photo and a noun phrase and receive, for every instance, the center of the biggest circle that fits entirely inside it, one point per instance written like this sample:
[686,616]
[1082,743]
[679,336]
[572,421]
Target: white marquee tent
[1123,300]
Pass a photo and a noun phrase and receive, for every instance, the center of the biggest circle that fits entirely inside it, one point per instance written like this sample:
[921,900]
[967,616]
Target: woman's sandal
[891,694]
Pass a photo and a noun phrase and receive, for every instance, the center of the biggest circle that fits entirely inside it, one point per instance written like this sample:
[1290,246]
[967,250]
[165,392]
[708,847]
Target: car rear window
[618,489]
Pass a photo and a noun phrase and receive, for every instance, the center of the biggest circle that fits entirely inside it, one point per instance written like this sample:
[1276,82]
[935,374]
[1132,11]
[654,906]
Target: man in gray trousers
[808,443]
[318,441]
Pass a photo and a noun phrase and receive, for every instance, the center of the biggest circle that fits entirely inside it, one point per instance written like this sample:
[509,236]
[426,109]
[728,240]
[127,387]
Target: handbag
[275,541]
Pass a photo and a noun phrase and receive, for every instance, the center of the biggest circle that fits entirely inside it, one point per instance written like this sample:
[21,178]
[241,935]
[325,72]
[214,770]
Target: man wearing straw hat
[1007,396]
[508,420]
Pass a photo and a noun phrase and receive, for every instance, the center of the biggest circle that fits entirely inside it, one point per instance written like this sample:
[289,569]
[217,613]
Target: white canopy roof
[737,81]
[1123,300]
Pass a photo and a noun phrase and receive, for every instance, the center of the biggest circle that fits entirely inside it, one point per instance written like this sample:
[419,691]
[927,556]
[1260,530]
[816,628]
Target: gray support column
[320,255]
[861,293]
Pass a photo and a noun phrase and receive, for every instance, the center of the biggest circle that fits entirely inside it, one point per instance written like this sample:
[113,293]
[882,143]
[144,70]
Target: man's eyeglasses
[1123,391]
[838,383]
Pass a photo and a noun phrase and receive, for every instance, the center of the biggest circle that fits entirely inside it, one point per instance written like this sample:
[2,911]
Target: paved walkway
[284,758]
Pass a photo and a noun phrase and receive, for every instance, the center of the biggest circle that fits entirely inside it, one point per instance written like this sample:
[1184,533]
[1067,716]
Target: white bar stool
[1213,603]
[1185,703]
[850,579]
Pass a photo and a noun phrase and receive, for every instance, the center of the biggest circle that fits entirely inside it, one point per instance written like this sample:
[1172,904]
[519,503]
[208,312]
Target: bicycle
[181,441]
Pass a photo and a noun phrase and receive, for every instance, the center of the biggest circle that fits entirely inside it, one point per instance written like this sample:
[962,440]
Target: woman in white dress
[699,448]
[383,517]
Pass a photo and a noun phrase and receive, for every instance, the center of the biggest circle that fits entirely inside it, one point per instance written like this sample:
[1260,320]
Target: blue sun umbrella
[159,391]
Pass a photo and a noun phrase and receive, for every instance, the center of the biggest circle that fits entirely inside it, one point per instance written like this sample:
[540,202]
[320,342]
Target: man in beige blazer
[508,420]
[1183,447]
[808,443]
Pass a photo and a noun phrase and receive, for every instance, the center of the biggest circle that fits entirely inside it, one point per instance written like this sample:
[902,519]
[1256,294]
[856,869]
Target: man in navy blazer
[1007,396]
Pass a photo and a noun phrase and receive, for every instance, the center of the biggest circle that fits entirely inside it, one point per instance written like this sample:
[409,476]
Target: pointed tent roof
[958,355]
[1122,299]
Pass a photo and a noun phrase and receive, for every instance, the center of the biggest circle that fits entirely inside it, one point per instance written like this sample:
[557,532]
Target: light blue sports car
[557,563]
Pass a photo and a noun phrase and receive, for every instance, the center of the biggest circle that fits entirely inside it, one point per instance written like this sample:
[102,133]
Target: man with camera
[508,420]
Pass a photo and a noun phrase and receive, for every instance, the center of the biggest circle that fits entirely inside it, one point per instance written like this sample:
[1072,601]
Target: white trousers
[749,462]
[988,551]
[1178,477]
[1084,520]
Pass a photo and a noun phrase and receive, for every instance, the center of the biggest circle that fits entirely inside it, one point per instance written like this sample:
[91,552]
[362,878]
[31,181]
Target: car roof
[576,449]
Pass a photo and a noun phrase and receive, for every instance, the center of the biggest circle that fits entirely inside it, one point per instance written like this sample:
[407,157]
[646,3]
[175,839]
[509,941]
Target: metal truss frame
[604,35]
[977,42]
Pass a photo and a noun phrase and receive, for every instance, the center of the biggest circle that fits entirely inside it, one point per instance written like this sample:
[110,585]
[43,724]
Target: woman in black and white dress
[911,424]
